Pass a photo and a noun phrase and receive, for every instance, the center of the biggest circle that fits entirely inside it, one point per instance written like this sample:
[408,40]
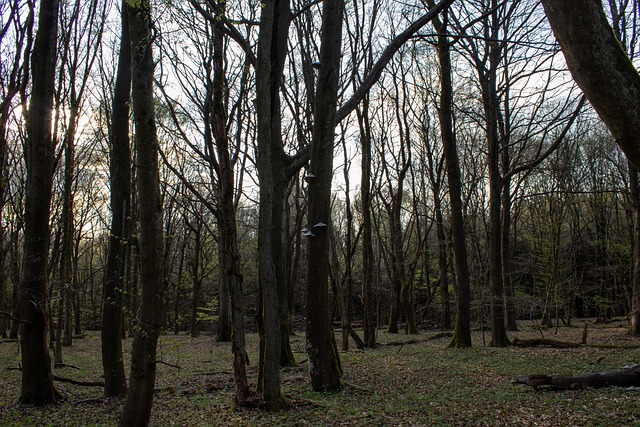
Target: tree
[324,363]
[149,323]
[37,382]
[119,237]
[272,41]
[19,25]
[462,331]
[600,66]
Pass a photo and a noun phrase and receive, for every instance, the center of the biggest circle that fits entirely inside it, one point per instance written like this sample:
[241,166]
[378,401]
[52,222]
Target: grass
[415,384]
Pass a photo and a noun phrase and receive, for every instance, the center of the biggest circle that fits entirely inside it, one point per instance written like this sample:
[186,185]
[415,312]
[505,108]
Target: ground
[417,383]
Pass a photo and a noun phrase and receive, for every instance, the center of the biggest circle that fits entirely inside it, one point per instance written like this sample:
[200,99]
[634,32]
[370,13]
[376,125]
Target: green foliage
[208,313]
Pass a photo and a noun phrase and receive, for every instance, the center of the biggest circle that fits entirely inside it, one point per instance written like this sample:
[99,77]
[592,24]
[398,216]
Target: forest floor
[407,381]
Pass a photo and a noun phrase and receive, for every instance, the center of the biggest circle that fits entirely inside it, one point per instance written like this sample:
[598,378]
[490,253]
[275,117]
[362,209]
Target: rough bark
[137,409]
[600,66]
[37,382]
[324,363]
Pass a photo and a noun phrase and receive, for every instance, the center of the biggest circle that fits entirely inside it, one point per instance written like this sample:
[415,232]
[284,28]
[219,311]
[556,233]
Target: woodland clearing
[407,381]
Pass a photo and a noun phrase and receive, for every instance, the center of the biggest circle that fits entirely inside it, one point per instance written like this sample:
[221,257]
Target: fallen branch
[76,382]
[64,365]
[629,376]
[544,342]
[440,335]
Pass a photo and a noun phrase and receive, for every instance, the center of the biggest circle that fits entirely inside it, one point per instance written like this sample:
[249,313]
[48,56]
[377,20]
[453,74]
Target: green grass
[416,384]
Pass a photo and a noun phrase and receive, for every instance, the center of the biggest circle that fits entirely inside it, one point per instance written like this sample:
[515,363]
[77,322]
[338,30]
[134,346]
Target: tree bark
[462,329]
[137,409]
[230,271]
[600,66]
[120,176]
[268,75]
[368,266]
[37,382]
[119,239]
[634,191]
[324,363]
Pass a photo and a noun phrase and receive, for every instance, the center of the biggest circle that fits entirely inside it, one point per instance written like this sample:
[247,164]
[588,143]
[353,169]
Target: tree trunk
[268,75]
[115,381]
[37,382]
[324,364]
[445,323]
[634,191]
[368,266]
[507,283]
[137,409]
[230,272]
[490,100]
[462,331]
[600,66]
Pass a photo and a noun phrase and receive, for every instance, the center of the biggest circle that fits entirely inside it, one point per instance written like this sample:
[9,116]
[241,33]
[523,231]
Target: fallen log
[629,376]
[544,342]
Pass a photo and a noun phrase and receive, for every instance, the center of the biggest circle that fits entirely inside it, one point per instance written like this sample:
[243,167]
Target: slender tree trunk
[507,283]
[324,363]
[490,100]
[445,323]
[230,259]
[634,321]
[368,266]
[66,253]
[462,331]
[137,409]
[120,174]
[33,297]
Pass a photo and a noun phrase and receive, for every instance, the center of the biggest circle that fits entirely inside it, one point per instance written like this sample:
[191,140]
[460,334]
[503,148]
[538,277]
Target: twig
[162,362]
[64,365]
[10,316]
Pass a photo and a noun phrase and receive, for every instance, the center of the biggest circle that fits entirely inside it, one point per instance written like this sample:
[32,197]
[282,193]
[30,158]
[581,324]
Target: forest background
[466,177]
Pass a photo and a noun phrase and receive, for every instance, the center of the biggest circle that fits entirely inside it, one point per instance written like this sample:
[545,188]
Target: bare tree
[119,237]
[150,317]
[37,382]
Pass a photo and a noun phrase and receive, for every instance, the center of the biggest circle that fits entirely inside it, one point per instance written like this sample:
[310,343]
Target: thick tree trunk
[324,364]
[37,382]
[600,66]
[268,75]
[137,409]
